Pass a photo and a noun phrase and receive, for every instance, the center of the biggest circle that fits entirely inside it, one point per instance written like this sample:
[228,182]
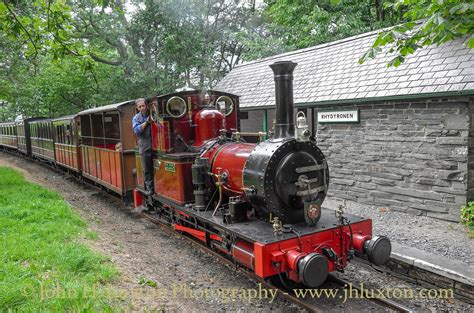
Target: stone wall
[470,173]
[409,156]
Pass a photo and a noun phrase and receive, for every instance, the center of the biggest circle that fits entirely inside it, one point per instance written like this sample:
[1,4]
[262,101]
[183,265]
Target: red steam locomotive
[258,204]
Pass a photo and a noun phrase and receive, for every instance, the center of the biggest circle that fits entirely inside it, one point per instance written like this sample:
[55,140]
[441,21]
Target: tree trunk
[379,10]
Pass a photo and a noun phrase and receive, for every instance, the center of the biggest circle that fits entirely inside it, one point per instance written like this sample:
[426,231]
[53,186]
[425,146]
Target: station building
[400,138]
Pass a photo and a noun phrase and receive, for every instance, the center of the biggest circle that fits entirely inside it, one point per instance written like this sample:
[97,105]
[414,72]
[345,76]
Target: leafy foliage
[467,217]
[426,22]
[42,26]
[304,23]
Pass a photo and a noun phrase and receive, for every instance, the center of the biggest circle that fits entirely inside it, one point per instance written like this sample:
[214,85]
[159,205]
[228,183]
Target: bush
[467,216]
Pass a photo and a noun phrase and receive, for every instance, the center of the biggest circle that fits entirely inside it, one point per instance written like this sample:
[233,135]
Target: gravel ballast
[439,237]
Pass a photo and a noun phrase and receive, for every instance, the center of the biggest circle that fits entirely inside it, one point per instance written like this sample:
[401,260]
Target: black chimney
[283,73]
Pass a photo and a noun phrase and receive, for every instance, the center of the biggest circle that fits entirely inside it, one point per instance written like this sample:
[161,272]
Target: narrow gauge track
[305,304]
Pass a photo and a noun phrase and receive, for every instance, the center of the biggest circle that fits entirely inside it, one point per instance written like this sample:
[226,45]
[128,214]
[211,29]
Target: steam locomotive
[259,204]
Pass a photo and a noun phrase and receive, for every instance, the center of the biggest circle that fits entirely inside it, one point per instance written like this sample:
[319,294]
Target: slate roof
[330,73]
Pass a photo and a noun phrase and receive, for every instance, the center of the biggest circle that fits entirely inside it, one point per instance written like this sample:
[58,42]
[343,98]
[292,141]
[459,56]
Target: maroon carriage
[107,146]
[66,142]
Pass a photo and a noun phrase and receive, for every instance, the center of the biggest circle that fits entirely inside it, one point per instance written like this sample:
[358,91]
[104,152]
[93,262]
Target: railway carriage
[42,142]
[66,142]
[8,135]
[107,147]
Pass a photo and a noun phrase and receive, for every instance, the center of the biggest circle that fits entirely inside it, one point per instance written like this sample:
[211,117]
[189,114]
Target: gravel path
[440,237]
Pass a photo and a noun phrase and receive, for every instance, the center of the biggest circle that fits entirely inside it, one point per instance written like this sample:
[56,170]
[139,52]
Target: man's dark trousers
[146,152]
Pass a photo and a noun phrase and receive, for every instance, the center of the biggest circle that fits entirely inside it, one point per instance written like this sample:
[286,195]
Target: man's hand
[144,125]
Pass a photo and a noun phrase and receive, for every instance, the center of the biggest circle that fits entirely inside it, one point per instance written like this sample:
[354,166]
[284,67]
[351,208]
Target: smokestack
[283,73]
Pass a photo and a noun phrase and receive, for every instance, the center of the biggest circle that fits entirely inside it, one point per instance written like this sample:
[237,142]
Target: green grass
[43,264]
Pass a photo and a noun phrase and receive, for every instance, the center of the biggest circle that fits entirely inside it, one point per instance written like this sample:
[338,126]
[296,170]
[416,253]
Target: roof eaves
[371,99]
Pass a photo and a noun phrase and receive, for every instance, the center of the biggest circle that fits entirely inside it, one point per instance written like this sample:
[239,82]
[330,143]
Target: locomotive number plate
[170,167]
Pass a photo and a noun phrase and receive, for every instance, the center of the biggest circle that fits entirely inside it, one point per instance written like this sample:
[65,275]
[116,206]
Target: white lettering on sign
[338,116]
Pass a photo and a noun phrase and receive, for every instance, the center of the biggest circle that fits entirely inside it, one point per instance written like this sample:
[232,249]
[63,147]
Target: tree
[305,23]
[62,56]
[42,27]
[427,22]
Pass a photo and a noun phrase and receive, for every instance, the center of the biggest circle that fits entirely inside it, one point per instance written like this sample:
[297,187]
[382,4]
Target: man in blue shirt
[141,125]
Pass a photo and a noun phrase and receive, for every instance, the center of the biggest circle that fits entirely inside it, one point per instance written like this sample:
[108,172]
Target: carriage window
[86,131]
[67,133]
[59,134]
[73,132]
[50,131]
[56,133]
[176,107]
[112,130]
[97,126]
[112,125]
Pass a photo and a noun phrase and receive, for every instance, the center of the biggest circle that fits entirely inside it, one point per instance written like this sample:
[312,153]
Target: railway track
[301,302]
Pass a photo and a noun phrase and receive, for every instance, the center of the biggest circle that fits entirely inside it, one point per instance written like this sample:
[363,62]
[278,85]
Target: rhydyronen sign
[351,116]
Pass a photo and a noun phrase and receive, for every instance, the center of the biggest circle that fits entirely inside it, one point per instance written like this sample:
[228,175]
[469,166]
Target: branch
[23,27]
[102,60]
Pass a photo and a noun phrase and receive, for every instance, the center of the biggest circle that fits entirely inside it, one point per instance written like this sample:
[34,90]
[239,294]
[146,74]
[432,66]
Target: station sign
[343,116]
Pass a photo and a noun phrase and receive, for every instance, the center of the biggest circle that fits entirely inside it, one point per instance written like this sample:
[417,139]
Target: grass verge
[43,264]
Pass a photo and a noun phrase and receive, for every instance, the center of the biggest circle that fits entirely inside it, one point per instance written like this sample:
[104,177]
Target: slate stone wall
[470,173]
[412,156]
